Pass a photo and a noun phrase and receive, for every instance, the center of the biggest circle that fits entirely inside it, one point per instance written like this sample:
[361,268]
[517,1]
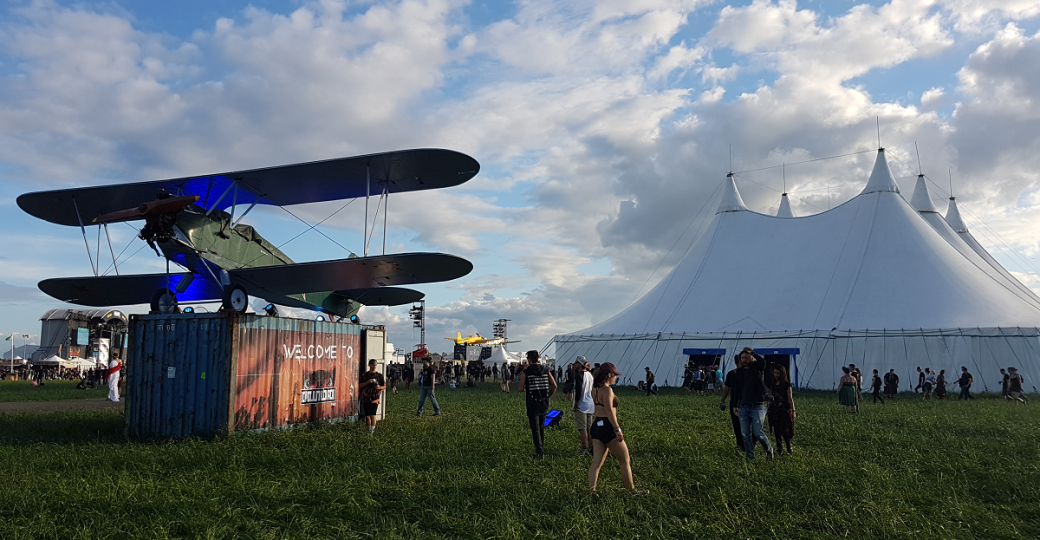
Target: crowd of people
[761,397]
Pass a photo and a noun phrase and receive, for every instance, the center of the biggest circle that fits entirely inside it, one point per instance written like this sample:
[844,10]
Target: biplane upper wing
[316,181]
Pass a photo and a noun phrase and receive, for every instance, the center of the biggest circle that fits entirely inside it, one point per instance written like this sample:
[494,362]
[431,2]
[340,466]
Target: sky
[604,130]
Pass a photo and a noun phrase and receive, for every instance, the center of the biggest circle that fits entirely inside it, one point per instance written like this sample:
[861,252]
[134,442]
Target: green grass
[909,469]
[50,391]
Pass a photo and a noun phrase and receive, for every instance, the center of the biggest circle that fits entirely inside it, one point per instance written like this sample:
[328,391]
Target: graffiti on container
[318,387]
[289,376]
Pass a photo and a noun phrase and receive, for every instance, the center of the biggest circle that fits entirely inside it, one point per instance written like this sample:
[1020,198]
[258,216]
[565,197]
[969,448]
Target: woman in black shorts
[606,433]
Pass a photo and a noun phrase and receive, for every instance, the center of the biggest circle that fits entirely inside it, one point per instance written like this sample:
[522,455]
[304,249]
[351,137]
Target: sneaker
[418,414]
[436,414]
[770,456]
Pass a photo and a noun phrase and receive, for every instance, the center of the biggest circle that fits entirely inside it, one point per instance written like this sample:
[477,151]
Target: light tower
[418,316]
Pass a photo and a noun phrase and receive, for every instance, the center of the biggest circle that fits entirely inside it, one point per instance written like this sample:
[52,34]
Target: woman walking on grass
[781,409]
[847,391]
[606,432]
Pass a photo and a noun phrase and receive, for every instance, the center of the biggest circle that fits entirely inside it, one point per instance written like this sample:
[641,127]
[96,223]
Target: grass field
[50,391]
[909,469]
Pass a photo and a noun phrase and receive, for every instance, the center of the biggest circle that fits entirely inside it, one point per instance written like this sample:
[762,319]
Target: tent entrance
[783,357]
[704,357]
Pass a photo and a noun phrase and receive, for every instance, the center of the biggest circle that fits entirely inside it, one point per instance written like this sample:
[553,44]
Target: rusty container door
[177,375]
[292,371]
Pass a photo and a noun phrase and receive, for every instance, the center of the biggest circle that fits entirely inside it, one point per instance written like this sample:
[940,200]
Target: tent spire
[922,200]
[953,217]
[731,201]
[881,177]
[785,207]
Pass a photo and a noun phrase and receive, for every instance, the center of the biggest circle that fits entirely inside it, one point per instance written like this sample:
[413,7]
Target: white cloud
[577,110]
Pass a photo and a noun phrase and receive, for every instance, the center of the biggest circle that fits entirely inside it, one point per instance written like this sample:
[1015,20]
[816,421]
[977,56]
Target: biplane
[190,221]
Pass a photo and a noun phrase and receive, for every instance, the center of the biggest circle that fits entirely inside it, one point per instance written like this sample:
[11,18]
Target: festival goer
[371,386]
[113,378]
[929,382]
[1004,378]
[718,379]
[855,372]
[606,433]
[781,412]
[427,387]
[733,386]
[584,409]
[538,384]
[964,382]
[847,391]
[875,386]
[1015,383]
[920,380]
[891,383]
[752,411]
[687,377]
[940,385]
[507,377]
[650,378]
[409,374]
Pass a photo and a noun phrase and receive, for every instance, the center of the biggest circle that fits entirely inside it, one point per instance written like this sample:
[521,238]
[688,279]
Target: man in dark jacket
[733,387]
[753,399]
[965,383]
[537,382]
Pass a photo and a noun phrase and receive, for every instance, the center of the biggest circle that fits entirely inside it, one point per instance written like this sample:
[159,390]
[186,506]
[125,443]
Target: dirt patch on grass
[16,407]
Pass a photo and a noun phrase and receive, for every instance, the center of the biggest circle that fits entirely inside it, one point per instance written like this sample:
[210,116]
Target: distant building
[72,333]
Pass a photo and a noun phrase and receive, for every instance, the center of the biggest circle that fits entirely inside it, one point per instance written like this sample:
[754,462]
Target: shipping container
[204,374]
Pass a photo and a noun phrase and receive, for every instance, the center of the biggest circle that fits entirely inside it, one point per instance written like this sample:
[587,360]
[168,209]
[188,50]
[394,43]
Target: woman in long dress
[847,391]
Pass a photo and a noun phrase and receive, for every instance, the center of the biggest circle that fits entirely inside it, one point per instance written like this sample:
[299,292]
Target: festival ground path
[16,407]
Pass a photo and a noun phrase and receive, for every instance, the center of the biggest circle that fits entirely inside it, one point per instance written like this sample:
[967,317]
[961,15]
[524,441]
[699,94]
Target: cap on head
[372,362]
[609,367]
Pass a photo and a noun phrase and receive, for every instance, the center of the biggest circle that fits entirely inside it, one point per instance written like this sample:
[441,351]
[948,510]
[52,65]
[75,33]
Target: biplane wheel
[236,299]
[164,301]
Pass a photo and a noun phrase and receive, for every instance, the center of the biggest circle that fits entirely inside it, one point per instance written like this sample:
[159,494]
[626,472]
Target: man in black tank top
[538,384]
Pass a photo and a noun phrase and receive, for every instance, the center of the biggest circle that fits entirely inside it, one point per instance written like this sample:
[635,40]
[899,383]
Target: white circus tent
[876,281]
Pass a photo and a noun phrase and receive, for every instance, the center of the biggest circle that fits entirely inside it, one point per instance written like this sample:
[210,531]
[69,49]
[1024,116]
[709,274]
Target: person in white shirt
[584,409]
[113,378]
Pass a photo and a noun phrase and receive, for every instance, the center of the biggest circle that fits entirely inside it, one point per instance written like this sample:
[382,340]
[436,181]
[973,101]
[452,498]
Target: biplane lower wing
[351,274]
[367,280]
[382,296]
[102,291]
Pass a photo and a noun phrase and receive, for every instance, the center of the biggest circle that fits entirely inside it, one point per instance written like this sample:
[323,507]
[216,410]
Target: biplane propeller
[187,222]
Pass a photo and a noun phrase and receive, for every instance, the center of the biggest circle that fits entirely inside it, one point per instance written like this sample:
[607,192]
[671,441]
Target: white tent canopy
[874,281]
[501,356]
